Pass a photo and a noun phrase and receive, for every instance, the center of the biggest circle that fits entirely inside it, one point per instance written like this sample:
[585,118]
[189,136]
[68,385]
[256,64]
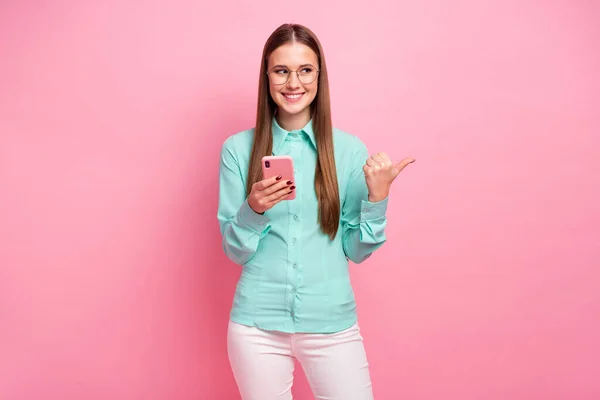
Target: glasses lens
[279,76]
[307,74]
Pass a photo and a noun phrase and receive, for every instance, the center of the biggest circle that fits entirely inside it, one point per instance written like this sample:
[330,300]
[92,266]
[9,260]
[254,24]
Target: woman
[294,299]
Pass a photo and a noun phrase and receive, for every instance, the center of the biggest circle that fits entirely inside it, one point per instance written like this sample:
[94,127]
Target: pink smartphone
[279,165]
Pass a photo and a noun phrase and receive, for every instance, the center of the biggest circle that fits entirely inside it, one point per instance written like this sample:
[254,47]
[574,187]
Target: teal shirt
[294,277]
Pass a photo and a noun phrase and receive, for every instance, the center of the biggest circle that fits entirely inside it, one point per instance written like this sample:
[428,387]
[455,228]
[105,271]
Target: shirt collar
[279,135]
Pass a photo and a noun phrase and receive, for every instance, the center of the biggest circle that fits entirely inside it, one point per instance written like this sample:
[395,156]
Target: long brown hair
[326,183]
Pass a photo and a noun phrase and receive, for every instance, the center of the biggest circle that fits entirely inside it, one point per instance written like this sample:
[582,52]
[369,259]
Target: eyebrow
[285,66]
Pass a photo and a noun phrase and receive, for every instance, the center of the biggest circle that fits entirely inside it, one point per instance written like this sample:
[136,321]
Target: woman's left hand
[380,172]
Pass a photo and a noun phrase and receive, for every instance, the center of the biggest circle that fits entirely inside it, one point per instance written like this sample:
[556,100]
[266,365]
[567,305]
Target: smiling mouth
[293,97]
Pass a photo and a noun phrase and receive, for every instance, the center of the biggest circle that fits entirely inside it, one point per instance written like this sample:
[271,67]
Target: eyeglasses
[280,75]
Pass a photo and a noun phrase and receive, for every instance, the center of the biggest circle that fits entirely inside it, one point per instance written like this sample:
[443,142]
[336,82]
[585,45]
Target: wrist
[376,198]
[259,213]
[254,209]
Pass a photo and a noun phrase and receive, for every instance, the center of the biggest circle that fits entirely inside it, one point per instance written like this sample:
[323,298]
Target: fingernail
[292,187]
[278,178]
[289,182]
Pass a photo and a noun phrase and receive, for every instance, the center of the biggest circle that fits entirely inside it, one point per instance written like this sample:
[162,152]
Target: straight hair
[326,183]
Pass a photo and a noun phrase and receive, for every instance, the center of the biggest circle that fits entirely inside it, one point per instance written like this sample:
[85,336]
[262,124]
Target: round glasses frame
[297,75]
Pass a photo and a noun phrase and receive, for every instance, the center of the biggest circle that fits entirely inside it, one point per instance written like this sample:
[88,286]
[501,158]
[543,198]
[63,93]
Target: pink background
[113,284]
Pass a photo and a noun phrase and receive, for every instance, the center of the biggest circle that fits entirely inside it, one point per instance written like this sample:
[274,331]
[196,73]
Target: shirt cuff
[371,211]
[252,219]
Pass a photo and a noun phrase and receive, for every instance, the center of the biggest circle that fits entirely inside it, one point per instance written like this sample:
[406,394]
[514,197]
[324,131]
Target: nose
[293,82]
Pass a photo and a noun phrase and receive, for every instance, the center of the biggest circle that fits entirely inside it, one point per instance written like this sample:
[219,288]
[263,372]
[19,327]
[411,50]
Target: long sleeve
[241,227]
[363,222]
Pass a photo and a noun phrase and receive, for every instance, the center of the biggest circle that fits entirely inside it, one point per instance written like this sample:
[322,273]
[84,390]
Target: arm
[241,227]
[363,222]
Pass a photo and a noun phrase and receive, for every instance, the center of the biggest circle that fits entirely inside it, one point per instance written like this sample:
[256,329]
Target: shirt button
[292,313]
[293,290]
[295,169]
[294,240]
[296,217]
[295,265]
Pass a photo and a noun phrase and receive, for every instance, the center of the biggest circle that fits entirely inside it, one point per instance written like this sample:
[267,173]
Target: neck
[293,122]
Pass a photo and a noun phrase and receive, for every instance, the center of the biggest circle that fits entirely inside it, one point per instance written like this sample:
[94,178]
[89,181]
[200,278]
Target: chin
[292,109]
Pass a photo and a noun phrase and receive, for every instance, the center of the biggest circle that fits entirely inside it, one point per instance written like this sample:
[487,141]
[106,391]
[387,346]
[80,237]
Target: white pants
[263,363]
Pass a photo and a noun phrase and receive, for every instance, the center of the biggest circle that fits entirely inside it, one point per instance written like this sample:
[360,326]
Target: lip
[294,99]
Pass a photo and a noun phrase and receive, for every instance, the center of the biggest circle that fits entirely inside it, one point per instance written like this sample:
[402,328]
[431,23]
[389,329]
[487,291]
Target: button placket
[293,275]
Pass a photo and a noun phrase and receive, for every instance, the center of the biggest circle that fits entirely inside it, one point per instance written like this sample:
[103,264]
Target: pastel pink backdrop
[113,284]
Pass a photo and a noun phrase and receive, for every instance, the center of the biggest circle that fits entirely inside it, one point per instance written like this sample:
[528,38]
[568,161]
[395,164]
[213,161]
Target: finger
[366,169]
[285,196]
[265,183]
[276,187]
[383,155]
[279,194]
[402,164]
[386,159]
[377,157]
[279,200]
[371,162]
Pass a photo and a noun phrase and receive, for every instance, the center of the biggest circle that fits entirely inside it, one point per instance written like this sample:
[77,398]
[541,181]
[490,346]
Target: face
[293,98]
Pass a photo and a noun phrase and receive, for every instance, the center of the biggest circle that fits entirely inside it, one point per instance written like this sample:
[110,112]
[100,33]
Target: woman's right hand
[268,192]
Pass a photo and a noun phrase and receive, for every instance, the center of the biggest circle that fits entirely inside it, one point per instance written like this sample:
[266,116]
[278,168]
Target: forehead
[293,55]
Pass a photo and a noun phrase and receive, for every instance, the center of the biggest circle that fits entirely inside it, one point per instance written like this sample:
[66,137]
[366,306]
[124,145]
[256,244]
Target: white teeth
[292,96]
